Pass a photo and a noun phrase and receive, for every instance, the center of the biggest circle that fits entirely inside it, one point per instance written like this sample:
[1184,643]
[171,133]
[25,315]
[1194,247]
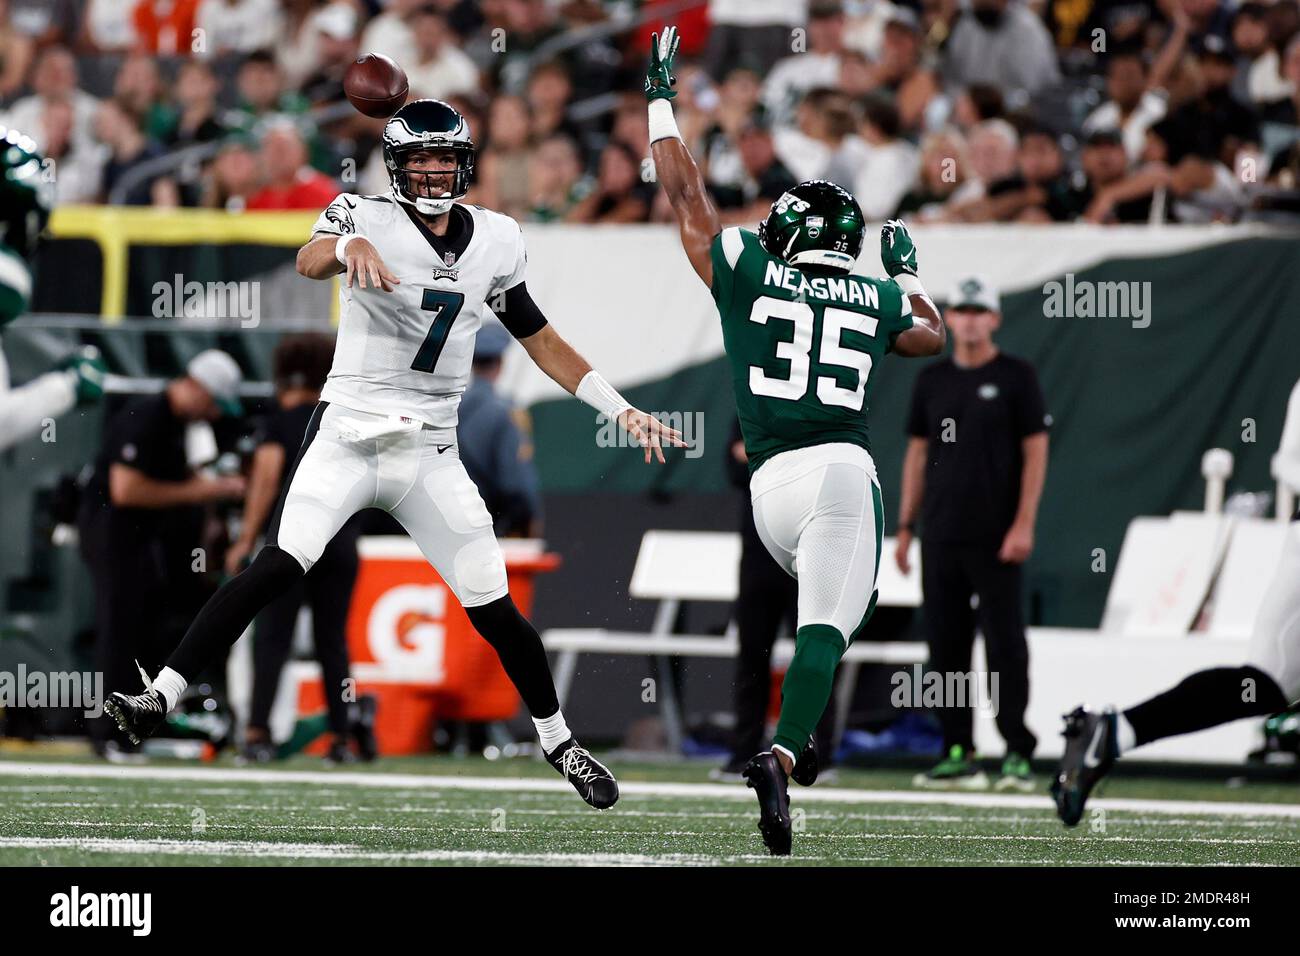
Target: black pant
[950,574]
[767,596]
[327,590]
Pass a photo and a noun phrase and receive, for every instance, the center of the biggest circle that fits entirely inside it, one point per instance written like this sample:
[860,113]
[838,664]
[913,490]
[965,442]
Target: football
[376,85]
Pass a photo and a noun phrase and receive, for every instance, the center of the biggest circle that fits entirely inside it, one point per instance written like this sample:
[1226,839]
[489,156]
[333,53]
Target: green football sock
[808,683]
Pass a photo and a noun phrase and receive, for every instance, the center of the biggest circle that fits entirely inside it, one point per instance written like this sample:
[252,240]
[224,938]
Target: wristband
[910,284]
[600,395]
[663,125]
[341,246]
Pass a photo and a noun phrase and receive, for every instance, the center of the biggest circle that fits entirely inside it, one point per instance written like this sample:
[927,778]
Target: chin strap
[449,200]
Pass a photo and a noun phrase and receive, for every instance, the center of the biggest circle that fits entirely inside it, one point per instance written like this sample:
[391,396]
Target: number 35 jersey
[408,352]
[802,348]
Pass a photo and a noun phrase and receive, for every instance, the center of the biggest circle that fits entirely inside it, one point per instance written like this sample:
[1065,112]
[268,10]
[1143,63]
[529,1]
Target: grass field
[475,812]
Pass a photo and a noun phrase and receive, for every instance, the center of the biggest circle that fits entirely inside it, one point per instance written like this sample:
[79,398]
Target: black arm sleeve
[519,313]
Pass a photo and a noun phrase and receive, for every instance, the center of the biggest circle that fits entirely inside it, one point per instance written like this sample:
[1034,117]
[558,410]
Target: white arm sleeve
[600,395]
[24,410]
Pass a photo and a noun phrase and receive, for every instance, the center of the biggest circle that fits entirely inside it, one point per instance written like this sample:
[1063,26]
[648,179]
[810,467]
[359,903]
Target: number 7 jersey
[408,352]
[802,348]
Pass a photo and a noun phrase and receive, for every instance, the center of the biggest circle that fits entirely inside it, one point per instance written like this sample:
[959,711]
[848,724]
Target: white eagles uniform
[1275,642]
[381,334]
[384,435]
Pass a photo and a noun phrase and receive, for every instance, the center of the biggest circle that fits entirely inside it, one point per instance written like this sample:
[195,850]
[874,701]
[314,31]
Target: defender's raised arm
[676,170]
[898,254]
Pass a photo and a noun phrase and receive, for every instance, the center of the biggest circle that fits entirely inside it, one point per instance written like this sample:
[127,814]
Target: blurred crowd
[1106,111]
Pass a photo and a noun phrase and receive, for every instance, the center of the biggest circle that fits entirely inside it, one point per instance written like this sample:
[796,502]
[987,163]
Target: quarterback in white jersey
[421,273]
[408,350]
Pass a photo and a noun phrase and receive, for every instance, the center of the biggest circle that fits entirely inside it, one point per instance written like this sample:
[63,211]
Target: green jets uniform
[804,336]
[15,284]
[803,348]
[24,211]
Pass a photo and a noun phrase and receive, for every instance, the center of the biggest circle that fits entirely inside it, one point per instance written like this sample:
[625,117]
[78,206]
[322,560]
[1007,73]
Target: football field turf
[475,812]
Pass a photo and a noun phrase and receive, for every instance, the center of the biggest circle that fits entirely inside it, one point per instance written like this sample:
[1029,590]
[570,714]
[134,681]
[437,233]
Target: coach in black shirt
[973,475]
[140,519]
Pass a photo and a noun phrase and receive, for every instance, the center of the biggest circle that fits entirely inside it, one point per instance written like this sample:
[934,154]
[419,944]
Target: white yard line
[740,813]
[350,852]
[697,791]
[811,834]
[320,851]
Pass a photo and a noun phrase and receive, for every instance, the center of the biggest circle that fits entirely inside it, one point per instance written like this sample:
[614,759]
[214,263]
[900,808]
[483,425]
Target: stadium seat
[677,566]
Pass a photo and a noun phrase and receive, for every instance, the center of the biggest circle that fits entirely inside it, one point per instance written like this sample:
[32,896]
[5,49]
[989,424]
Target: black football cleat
[1091,747]
[765,775]
[137,716]
[589,776]
[807,766]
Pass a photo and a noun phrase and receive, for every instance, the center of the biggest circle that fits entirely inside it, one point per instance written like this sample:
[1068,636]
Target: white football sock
[1127,737]
[552,730]
[171,685]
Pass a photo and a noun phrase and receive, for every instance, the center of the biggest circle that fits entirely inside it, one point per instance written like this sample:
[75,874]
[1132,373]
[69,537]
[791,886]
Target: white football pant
[354,460]
[1275,643]
[818,512]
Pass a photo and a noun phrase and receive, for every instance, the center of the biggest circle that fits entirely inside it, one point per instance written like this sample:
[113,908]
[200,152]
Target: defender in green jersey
[803,342]
[804,336]
[24,211]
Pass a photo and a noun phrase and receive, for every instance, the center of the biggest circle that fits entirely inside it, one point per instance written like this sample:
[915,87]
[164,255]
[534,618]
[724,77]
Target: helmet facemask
[413,186]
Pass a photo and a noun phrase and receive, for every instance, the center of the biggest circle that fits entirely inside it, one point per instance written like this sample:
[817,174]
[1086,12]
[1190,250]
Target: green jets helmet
[427,124]
[815,224]
[25,196]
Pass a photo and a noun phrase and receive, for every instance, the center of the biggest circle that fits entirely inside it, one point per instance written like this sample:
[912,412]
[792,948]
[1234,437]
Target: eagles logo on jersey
[428,124]
[341,215]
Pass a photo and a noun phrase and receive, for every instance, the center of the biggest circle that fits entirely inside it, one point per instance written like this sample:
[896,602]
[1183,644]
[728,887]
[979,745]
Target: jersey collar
[450,248]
